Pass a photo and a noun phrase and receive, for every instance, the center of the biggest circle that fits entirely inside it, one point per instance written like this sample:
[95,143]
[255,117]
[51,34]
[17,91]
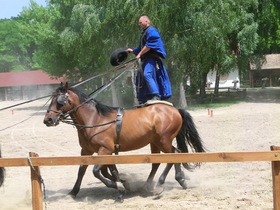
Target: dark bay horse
[2,172]
[97,127]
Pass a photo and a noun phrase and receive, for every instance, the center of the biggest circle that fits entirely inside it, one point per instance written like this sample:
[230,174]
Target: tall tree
[267,16]
[206,34]
[13,50]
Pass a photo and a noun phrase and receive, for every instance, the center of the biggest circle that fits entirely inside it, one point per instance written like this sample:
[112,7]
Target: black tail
[189,135]
[2,173]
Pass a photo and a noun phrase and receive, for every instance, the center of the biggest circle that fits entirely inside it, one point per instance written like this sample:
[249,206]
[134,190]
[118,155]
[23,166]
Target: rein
[124,65]
[87,126]
[8,107]
[63,116]
[26,118]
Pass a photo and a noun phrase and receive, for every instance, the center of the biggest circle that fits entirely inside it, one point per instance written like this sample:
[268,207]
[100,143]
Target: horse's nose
[50,122]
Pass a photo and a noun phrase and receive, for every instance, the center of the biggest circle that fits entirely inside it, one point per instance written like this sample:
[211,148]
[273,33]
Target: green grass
[220,102]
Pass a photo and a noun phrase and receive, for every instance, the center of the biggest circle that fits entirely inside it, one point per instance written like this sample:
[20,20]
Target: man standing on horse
[152,81]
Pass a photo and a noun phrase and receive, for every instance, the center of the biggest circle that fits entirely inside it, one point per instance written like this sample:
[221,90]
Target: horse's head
[60,104]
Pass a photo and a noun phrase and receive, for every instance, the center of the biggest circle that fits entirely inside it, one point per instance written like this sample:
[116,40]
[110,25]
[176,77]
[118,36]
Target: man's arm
[143,51]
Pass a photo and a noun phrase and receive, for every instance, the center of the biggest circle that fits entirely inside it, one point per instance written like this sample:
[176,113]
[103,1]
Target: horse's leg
[118,181]
[164,174]
[2,173]
[114,176]
[77,185]
[96,171]
[148,185]
[180,176]
[109,183]
[115,173]
[81,173]
[104,172]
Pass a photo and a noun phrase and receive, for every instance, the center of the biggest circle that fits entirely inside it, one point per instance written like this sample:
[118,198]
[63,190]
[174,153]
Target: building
[26,85]
[230,80]
[268,74]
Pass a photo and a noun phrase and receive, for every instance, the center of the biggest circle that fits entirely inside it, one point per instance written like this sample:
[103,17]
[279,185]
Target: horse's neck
[85,114]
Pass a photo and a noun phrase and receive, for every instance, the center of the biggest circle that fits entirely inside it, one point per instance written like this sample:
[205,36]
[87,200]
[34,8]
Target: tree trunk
[182,97]
[216,91]
[203,83]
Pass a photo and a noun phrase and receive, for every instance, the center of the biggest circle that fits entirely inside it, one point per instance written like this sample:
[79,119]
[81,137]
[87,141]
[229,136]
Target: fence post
[37,198]
[276,181]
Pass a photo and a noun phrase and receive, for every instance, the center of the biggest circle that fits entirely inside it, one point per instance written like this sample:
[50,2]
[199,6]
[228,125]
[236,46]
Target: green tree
[205,34]
[200,36]
[20,38]
[12,47]
[267,15]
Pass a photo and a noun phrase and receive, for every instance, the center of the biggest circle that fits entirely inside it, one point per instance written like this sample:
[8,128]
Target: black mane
[101,108]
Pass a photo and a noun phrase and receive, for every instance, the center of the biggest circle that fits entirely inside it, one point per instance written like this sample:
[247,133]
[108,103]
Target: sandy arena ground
[240,127]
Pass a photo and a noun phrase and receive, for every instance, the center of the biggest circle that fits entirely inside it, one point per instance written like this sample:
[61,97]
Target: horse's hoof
[72,195]
[147,188]
[158,190]
[184,185]
[120,199]
[120,186]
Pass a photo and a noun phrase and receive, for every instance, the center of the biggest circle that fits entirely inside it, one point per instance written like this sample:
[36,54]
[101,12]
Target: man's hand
[129,50]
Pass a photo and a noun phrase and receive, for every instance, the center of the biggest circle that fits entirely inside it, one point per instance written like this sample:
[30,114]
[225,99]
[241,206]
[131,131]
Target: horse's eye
[61,100]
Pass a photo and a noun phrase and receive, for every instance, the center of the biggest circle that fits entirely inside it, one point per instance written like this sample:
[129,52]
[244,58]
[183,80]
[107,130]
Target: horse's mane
[101,108]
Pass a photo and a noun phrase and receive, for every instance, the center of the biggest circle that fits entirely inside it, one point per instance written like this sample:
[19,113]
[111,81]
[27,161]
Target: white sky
[12,8]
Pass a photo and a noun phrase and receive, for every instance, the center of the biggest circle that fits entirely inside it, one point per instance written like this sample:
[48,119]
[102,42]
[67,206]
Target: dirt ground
[248,126]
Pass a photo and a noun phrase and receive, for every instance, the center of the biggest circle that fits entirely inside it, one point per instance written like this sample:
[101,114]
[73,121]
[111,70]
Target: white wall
[225,80]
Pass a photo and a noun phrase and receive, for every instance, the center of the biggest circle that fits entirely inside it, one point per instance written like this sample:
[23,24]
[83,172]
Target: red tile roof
[26,78]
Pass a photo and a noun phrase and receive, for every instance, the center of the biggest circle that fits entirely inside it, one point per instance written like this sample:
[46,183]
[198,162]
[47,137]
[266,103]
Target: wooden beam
[145,158]
[276,181]
[36,185]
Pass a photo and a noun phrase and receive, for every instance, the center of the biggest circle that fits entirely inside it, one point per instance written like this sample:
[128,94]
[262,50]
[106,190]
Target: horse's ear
[64,87]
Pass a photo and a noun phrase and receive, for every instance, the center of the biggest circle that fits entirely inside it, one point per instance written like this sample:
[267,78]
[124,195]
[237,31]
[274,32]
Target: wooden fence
[34,162]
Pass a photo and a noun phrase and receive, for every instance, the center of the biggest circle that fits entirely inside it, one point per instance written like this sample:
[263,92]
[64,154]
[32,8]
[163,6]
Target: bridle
[62,100]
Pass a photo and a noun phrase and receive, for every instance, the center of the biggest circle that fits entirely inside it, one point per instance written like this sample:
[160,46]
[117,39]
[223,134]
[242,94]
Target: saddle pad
[157,102]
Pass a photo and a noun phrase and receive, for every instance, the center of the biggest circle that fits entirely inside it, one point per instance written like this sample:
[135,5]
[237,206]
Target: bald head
[144,21]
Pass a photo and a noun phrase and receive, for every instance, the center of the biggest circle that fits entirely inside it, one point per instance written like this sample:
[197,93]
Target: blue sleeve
[154,41]
[136,50]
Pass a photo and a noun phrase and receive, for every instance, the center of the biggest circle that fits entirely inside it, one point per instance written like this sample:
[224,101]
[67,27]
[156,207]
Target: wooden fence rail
[35,162]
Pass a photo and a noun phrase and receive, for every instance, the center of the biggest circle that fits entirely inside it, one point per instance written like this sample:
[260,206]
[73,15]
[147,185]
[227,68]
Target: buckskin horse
[106,130]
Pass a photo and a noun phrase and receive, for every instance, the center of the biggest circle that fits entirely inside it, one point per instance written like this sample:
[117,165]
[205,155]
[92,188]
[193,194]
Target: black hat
[118,56]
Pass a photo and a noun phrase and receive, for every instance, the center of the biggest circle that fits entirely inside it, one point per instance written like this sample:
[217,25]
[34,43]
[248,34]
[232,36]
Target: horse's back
[149,124]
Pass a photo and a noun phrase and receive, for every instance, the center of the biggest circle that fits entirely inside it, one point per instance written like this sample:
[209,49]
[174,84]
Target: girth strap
[118,130]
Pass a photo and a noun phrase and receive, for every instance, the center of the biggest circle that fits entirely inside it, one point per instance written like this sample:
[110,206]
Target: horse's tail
[188,135]
[2,172]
